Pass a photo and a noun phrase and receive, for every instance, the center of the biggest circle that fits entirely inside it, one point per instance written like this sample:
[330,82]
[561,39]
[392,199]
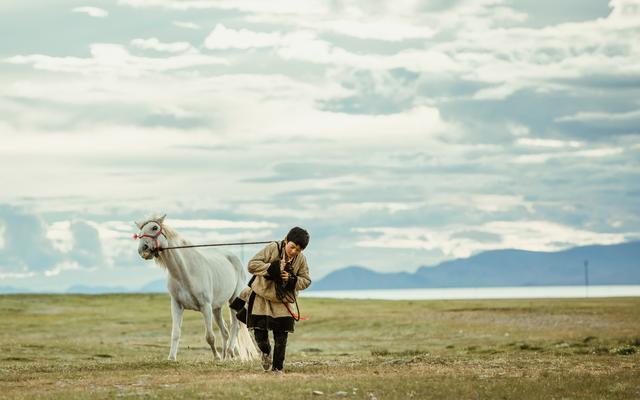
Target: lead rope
[282,295]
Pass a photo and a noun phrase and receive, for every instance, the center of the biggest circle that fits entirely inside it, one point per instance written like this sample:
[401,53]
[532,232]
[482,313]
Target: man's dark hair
[298,236]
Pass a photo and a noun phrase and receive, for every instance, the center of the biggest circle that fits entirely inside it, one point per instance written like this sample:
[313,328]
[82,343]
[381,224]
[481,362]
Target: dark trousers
[279,348]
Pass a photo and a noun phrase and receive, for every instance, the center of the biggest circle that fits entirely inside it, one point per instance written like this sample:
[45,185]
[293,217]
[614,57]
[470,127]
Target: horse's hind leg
[176,317]
[208,327]
[217,313]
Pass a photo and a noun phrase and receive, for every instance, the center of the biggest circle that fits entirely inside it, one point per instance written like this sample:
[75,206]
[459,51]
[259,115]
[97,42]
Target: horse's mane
[171,234]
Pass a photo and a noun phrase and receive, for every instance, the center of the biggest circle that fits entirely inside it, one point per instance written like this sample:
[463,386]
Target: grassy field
[115,346]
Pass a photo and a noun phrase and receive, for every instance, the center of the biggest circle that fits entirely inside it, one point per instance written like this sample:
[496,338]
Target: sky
[399,134]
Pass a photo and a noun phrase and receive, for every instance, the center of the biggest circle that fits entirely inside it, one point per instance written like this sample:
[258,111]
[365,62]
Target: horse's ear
[161,219]
[139,224]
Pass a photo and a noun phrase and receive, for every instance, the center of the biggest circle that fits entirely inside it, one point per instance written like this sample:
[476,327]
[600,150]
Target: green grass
[115,346]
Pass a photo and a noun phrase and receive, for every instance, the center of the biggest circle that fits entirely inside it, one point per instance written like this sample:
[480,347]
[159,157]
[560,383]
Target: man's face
[292,249]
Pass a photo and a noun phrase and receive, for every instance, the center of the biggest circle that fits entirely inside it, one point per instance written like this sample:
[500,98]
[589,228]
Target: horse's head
[152,237]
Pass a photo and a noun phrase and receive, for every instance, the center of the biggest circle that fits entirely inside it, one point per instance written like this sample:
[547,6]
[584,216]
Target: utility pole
[586,278]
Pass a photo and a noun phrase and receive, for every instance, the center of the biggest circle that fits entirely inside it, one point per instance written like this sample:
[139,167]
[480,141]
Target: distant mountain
[82,289]
[157,286]
[356,277]
[11,290]
[607,265]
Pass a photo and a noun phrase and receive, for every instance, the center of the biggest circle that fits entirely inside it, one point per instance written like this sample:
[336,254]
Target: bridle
[153,237]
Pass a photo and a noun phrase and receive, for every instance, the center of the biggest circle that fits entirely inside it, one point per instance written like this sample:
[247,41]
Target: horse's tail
[247,350]
[241,280]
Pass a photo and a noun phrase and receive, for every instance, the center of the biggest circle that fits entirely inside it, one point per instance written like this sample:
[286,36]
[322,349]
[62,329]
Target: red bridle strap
[154,237]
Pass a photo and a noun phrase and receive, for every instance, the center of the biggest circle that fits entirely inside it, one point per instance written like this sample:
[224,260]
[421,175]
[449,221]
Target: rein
[211,245]
[160,232]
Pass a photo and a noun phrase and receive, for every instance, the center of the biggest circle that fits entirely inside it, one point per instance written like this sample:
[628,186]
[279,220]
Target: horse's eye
[155,228]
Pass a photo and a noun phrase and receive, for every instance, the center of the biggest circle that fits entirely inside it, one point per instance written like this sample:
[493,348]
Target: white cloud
[403,130]
[549,236]
[305,46]
[526,235]
[218,224]
[114,60]
[517,129]
[186,25]
[379,28]
[258,6]
[389,30]
[589,153]
[60,235]
[551,143]
[500,203]
[352,209]
[625,10]
[225,38]
[155,44]
[61,267]
[92,11]
[602,117]
[15,275]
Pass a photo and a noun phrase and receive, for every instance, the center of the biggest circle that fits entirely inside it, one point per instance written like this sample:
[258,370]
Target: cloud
[87,248]
[500,203]
[219,224]
[26,247]
[278,6]
[628,122]
[60,235]
[383,28]
[551,143]
[92,11]
[455,242]
[155,44]
[114,60]
[32,246]
[590,153]
[62,267]
[224,38]
[186,25]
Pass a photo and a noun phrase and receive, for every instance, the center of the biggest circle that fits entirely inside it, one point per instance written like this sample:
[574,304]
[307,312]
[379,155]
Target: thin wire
[214,245]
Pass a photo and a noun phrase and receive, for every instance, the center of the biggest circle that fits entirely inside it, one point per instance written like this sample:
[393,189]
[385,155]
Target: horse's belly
[183,298]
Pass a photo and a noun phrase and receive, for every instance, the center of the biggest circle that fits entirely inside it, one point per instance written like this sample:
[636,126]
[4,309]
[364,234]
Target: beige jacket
[266,302]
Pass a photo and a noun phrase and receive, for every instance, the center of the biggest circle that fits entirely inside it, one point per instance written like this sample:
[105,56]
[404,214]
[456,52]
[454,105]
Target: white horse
[199,283]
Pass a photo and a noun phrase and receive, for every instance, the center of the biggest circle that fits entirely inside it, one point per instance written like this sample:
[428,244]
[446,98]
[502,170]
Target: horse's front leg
[208,327]
[176,318]
[217,313]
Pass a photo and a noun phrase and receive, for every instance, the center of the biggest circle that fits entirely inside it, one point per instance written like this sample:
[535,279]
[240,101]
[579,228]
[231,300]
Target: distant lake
[529,292]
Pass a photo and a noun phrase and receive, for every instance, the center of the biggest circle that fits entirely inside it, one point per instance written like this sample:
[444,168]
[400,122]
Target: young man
[279,271]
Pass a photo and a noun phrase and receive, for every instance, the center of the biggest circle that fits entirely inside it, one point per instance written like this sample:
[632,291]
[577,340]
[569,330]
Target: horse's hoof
[171,359]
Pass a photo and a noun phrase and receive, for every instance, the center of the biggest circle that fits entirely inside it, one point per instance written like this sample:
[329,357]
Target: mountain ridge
[607,265]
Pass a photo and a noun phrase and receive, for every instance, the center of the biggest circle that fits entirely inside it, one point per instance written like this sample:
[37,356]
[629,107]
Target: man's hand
[284,275]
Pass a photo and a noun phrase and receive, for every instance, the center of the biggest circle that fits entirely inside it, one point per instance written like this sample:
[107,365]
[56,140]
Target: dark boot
[279,349]
[262,339]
